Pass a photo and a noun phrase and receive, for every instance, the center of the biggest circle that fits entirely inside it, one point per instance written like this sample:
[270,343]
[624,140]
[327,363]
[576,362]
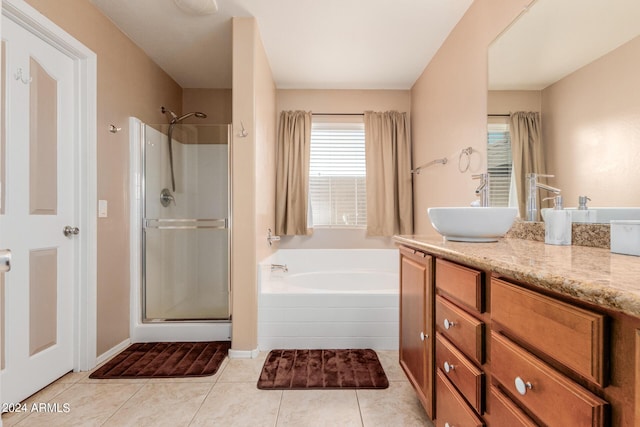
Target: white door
[39,202]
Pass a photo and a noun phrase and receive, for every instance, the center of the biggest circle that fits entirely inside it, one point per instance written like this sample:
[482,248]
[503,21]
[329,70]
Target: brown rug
[165,360]
[322,369]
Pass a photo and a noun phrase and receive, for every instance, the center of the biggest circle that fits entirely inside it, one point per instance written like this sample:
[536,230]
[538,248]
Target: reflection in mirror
[576,62]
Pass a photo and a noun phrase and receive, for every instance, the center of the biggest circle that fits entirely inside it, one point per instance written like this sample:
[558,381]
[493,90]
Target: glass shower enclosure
[186,232]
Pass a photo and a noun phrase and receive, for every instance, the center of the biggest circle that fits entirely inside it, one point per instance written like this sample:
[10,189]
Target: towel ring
[465,155]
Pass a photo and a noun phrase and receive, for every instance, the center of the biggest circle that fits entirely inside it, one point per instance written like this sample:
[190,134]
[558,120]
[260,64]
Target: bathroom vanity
[519,333]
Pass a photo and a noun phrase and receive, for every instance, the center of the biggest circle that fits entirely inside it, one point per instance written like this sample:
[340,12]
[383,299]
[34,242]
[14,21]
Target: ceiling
[311,44]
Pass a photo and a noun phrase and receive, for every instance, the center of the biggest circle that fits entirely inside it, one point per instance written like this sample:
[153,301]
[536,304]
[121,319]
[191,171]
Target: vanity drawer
[577,340]
[462,329]
[549,395]
[451,409]
[506,413]
[460,283]
[468,379]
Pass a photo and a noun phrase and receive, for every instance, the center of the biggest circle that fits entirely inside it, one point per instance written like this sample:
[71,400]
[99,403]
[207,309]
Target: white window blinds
[337,172]
[499,163]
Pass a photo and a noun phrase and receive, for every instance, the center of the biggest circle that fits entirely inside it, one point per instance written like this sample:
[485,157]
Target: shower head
[185,116]
[175,119]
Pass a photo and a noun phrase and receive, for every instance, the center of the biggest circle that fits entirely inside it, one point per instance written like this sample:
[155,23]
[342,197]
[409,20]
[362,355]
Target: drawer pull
[448,367]
[448,324]
[522,386]
[448,425]
[423,336]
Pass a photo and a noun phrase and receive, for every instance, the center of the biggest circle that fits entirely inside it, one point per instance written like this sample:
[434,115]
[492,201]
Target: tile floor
[229,398]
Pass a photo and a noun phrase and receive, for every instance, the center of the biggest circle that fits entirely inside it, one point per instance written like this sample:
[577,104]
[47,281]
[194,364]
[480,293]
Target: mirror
[577,62]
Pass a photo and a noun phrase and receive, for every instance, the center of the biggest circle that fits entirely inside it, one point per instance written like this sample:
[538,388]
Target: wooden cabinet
[538,387]
[468,379]
[459,301]
[462,284]
[577,341]
[506,413]
[416,323]
[452,409]
[461,328]
[483,349]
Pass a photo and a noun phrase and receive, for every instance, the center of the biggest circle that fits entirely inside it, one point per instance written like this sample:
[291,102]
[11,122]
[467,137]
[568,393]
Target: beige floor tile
[238,404]
[72,377]
[243,370]
[391,365]
[43,396]
[168,404]
[138,381]
[397,405]
[88,405]
[316,408]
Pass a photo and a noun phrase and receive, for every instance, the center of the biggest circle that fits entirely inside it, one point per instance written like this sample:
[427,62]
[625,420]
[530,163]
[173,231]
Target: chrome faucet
[532,188]
[483,188]
[271,238]
[281,267]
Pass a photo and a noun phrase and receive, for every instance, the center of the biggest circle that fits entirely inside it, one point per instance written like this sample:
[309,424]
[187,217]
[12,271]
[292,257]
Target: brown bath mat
[165,360]
[322,369]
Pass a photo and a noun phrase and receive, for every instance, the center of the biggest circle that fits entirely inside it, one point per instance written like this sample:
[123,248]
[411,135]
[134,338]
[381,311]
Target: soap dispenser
[583,213]
[557,226]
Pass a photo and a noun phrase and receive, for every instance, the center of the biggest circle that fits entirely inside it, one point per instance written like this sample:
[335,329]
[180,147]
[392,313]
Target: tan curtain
[527,153]
[292,172]
[389,183]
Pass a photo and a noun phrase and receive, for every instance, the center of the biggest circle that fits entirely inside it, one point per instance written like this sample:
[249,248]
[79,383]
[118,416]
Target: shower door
[186,233]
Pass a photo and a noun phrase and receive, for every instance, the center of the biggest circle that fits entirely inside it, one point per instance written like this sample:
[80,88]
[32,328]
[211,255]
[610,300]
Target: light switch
[102,208]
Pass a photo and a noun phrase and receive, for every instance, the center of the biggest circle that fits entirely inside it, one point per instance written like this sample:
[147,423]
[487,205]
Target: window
[337,173]
[499,163]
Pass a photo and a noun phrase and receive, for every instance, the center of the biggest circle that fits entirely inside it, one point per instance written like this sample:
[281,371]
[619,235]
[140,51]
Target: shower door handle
[5,260]
[69,231]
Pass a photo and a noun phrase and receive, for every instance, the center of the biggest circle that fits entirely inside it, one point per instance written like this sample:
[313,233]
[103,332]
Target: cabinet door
[416,323]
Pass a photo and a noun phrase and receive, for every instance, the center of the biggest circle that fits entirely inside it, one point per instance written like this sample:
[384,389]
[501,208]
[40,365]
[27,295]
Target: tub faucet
[281,267]
[483,188]
[532,188]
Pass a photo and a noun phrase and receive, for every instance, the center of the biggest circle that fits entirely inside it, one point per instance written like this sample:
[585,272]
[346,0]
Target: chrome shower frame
[143,226]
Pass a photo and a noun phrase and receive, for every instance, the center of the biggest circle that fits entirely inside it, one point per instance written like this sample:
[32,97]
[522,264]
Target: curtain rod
[499,115]
[337,114]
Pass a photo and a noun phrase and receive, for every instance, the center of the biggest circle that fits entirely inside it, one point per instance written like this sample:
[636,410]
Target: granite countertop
[594,275]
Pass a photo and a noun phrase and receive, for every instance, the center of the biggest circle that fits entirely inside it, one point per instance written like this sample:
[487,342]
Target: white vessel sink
[472,224]
[600,215]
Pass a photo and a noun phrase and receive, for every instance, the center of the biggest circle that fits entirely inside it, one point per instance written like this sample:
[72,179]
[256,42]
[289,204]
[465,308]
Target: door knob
[69,230]
[5,260]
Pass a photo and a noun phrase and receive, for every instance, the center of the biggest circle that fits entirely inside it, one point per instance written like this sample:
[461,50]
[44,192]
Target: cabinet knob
[423,336]
[448,425]
[448,324]
[448,367]
[522,386]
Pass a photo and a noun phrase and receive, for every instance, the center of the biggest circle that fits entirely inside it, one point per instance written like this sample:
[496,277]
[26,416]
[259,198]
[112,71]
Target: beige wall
[343,101]
[265,162]
[253,175]
[591,127]
[449,108]
[129,84]
[510,101]
[215,103]
[340,101]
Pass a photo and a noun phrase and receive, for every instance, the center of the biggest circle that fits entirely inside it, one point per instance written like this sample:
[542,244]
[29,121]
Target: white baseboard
[243,354]
[112,352]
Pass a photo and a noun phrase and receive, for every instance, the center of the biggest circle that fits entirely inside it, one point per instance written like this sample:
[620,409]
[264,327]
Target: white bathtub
[329,298]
